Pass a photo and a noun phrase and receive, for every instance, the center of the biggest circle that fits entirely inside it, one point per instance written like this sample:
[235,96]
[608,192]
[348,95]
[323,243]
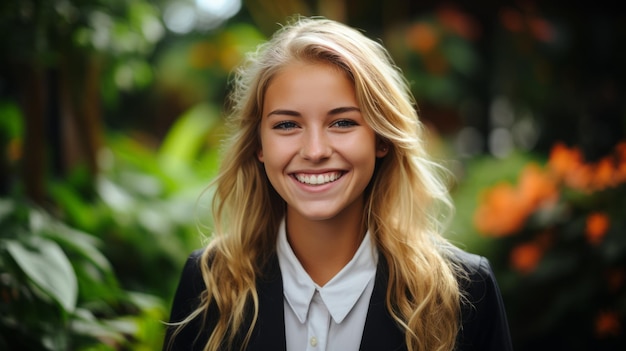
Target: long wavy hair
[406,201]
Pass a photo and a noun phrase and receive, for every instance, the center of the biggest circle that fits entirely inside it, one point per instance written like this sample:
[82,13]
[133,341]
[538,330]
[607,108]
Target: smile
[318,179]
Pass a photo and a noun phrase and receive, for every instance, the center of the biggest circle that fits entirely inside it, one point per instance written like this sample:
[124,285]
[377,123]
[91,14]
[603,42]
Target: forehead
[305,66]
[308,80]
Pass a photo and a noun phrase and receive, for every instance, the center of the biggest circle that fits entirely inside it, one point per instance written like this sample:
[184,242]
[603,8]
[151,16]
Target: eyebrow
[335,111]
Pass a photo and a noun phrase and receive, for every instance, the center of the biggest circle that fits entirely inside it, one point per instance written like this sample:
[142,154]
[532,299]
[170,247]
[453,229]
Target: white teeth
[318,179]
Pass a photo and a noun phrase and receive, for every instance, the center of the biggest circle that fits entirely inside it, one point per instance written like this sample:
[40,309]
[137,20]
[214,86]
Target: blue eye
[344,123]
[285,125]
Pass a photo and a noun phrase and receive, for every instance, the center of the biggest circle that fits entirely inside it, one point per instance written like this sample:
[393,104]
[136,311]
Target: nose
[316,146]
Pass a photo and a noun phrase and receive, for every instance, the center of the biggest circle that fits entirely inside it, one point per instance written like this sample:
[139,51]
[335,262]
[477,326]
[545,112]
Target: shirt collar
[340,294]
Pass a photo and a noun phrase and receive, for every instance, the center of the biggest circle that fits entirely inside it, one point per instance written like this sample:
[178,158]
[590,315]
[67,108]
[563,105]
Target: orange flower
[504,208]
[564,160]
[604,175]
[607,324]
[568,165]
[457,21]
[500,213]
[422,37]
[525,257]
[536,187]
[597,225]
[580,178]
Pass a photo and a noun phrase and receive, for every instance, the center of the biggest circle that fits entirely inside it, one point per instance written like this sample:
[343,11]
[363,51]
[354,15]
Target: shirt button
[313,341]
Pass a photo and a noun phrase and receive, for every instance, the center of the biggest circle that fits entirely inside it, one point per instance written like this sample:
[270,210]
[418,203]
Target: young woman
[328,215]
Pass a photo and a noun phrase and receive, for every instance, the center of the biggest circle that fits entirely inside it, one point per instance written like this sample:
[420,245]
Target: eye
[344,123]
[285,125]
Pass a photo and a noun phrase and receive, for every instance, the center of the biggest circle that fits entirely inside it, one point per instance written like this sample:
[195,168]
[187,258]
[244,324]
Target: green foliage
[187,137]
[146,201]
[97,272]
[46,268]
[41,30]
[11,125]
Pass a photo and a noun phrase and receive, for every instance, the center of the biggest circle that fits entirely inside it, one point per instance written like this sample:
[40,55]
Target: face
[318,152]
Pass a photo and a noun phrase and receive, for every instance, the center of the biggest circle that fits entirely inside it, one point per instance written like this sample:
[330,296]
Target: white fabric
[332,317]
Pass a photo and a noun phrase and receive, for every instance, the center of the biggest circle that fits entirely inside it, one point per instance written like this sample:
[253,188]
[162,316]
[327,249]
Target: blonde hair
[404,201]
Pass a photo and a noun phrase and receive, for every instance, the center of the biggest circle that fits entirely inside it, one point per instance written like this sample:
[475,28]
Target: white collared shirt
[332,317]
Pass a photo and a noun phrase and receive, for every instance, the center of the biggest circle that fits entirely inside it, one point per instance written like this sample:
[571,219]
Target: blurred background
[111,118]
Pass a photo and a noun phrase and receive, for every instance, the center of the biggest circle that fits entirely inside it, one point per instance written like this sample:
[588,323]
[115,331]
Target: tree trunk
[33,101]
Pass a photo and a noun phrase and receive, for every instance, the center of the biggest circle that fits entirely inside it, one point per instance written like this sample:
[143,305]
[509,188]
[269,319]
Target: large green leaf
[78,242]
[47,266]
[185,138]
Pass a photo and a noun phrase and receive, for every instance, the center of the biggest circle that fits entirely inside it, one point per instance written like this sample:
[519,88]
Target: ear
[382,149]
[259,155]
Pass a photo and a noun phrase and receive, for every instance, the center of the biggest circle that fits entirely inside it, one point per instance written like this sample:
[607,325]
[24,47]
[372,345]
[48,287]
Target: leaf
[86,324]
[6,209]
[48,267]
[67,196]
[185,138]
[79,242]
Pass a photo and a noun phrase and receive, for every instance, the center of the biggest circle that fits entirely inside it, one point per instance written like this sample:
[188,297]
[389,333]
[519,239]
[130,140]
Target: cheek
[264,146]
[362,158]
[367,159]
[272,155]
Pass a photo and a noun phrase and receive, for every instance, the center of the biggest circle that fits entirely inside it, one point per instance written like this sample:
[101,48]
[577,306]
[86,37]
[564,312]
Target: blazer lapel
[269,331]
[381,331]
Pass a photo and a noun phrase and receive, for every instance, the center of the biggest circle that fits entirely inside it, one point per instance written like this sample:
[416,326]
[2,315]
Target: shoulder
[472,265]
[484,320]
[193,259]
[191,271]
[187,299]
[190,286]
[476,278]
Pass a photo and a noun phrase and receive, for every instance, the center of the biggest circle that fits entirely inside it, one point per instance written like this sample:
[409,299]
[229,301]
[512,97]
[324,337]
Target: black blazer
[484,324]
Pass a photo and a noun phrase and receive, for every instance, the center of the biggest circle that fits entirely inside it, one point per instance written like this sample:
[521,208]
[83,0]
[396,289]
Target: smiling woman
[319,155]
[327,215]
[312,130]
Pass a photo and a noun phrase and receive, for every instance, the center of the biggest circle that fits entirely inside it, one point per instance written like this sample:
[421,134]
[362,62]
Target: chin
[317,215]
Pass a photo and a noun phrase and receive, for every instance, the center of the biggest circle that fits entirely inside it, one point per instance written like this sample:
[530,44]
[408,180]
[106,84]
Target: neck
[324,247]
